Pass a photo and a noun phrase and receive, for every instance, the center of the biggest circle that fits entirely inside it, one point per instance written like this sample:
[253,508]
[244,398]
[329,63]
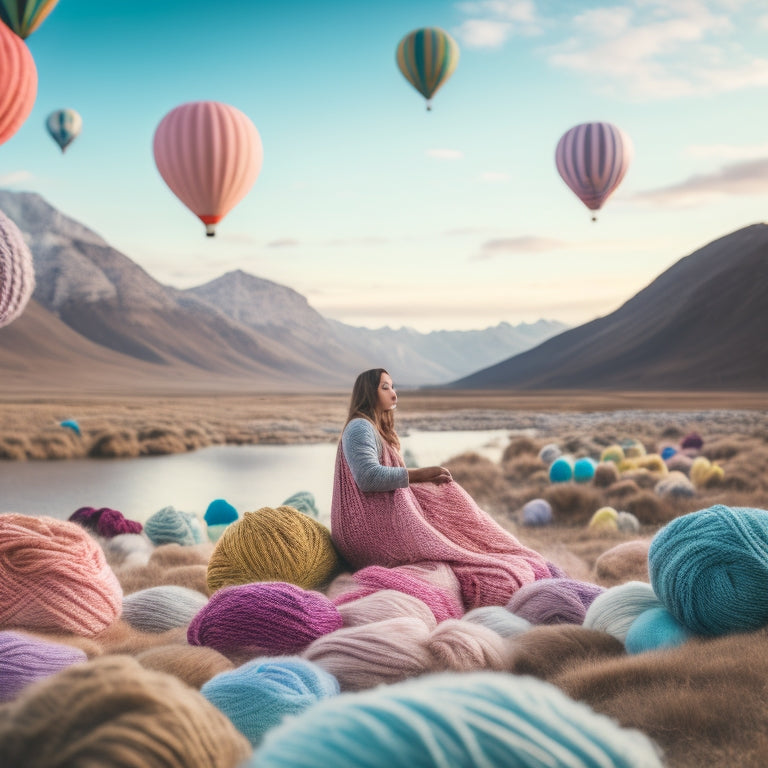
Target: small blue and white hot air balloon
[64,125]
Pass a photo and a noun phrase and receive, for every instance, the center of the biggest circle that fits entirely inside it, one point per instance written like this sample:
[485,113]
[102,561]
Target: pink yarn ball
[17,272]
[54,578]
[462,646]
[554,601]
[268,618]
[382,605]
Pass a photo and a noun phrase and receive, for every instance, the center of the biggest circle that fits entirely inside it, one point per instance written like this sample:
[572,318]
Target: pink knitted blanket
[427,523]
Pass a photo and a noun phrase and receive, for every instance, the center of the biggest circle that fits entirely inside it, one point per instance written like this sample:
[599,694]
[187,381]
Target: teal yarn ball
[463,720]
[172,526]
[220,512]
[615,610]
[655,629]
[584,469]
[710,569]
[561,470]
[304,501]
[260,694]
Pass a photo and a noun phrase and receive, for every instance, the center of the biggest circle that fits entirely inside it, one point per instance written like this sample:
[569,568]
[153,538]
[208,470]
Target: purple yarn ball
[692,440]
[267,618]
[112,523]
[87,517]
[554,601]
[17,272]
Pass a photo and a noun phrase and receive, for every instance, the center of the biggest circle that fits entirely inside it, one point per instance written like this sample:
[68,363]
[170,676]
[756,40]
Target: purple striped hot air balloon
[593,158]
[17,274]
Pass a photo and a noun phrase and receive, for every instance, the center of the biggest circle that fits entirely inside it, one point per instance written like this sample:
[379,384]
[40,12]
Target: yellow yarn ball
[627,465]
[280,544]
[715,476]
[699,470]
[653,463]
[605,519]
[614,453]
[633,449]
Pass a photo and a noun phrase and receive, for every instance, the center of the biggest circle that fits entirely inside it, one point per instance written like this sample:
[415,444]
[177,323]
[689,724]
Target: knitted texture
[500,620]
[383,652]
[17,272]
[112,523]
[385,604]
[25,659]
[304,501]
[462,721]
[54,577]
[265,618]
[442,603]
[615,610]
[193,665]
[88,517]
[554,601]
[172,526]
[157,609]
[710,568]
[279,544]
[654,629]
[426,522]
[260,694]
[111,711]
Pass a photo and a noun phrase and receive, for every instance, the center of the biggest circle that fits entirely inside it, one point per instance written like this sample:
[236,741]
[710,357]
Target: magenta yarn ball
[269,618]
[112,523]
[554,601]
[17,272]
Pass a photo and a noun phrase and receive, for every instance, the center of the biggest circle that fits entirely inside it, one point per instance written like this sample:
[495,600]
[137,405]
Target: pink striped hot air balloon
[19,83]
[593,158]
[210,155]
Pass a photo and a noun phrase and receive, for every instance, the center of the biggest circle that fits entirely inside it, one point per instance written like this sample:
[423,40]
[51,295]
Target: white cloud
[15,177]
[493,22]
[523,244]
[728,151]
[484,33]
[494,177]
[284,242]
[445,154]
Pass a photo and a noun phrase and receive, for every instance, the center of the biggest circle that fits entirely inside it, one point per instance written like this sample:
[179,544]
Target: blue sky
[379,212]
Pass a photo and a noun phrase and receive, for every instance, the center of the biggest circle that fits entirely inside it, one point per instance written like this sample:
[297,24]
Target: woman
[385,514]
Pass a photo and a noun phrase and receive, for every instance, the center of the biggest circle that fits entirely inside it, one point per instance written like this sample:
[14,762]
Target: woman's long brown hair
[365,397]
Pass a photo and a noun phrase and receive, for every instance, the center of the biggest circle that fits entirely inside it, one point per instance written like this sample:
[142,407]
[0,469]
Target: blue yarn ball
[584,469]
[654,629]
[710,569]
[668,452]
[458,720]
[537,512]
[258,695]
[615,610]
[561,470]
[220,512]
[172,526]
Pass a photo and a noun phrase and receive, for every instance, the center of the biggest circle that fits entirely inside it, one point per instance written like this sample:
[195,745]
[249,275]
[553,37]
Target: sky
[380,212]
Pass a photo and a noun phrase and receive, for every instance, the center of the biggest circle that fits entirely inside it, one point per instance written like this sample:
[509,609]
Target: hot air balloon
[25,16]
[17,273]
[209,154]
[19,83]
[427,58]
[593,158]
[64,125]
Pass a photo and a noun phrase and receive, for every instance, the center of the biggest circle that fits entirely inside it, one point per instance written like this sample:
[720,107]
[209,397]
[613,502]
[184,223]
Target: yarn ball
[653,629]
[173,526]
[304,501]
[263,618]
[54,577]
[633,448]
[709,569]
[273,545]
[463,646]
[385,604]
[604,520]
[260,694]
[537,512]
[463,721]
[443,603]
[627,522]
[127,550]
[653,463]
[158,609]
[17,272]
[499,619]
[193,664]
[615,610]
[549,453]
[87,517]
[112,523]
[679,462]
[383,652]
[668,452]
[692,440]
[613,453]
[561,470]
[584,469]
[220,512]
[675,485]
[110,711]
[554,601]
[627,561]
[555,571]
[699,470]
[25,659]
[606,474]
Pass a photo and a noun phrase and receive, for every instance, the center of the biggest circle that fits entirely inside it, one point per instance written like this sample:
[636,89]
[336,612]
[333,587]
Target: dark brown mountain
[701,325]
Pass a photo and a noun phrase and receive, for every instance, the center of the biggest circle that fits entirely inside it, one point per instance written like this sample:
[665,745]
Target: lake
[247,476]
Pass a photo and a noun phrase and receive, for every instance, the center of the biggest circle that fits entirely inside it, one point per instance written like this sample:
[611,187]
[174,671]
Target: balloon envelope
[19,83]
[64,125]
[25,16]
[210,155]
[17,273]
[593,158]
[427,58]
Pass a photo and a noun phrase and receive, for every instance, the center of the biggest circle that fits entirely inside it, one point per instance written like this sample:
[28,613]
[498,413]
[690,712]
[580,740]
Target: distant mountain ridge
[237,326]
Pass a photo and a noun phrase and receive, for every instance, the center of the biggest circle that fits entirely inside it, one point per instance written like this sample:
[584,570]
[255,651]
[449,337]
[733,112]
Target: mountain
[700,325]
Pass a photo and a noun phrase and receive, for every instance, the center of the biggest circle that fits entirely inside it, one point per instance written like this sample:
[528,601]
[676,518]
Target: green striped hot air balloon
[25,16]
[427,58]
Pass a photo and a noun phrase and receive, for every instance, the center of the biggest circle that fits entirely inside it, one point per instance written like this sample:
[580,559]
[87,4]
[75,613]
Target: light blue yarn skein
[654,629]
[172,526]
[710,569]
[469,720]
[499,619]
